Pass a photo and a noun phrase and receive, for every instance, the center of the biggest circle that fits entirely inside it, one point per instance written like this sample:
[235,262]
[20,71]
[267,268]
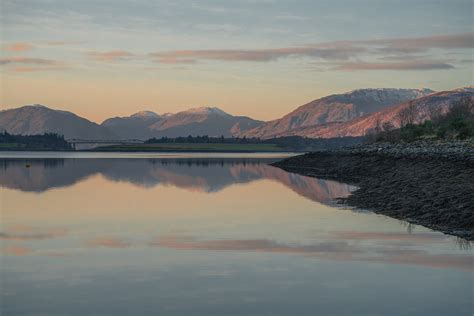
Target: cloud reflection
[23,233]
[332,249]
[257,245]
[423,238]
[108,242]
[17,250]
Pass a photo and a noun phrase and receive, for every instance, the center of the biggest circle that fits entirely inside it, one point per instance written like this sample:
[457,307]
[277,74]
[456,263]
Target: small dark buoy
[27,165]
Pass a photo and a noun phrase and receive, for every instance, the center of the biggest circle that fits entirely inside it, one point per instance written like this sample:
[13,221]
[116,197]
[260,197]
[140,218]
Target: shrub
[458,122]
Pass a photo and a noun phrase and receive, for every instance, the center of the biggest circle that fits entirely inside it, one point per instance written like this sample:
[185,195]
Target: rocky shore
[424,183]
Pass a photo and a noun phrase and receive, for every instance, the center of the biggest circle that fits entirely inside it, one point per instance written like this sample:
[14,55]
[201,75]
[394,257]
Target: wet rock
[427,183]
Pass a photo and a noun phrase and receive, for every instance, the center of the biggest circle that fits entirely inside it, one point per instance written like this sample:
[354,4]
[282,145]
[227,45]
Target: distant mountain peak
[466,89]
[145,114]
[422,91]
[206,110]
[37,105]
[38,119]
[28,106]
[42,108]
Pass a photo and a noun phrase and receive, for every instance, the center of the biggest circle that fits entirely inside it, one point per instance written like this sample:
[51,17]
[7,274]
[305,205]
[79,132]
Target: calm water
[210,235]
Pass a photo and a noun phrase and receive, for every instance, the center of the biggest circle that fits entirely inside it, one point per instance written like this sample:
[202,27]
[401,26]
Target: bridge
[82,144]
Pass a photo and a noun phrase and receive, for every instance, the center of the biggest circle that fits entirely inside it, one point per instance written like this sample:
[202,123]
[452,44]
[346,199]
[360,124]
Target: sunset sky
[260,58]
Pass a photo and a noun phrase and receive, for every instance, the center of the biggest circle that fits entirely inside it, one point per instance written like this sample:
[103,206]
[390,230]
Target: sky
[259,58]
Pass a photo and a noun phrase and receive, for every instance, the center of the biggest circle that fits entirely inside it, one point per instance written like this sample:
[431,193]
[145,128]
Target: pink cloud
[108,242]
[60,43]
[26,60]
[330,51]
[450,41]
[36,69]
[31,64]
[401,66]
[18,47]
[110,56]
[30,233]
[256,55]
[17,250]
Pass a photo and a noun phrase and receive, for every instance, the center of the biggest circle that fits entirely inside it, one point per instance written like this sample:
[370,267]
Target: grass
[198,147]
[11,145]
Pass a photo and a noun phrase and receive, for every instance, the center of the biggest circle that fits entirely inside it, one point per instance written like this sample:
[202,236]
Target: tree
[434,113]
[408,115]
[388,126]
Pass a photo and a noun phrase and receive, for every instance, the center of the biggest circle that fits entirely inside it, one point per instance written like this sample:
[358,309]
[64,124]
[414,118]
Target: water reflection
[205,175]
[339,246]
[210,237]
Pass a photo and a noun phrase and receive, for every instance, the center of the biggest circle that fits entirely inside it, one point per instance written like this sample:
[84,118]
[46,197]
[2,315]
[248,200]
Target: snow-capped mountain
[432,103]
[146,115]
[336,108]
[205,110]
[38,119]
[135,126]
[348,114]
[210,121]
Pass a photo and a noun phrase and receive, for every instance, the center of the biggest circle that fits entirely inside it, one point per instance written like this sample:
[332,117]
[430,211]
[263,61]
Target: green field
[196,147]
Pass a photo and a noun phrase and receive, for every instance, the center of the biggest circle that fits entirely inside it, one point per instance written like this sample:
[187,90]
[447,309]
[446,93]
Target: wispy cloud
[17,250]
[26,60]
[291,17]
[61,43]
[257,55]
[31,64]
[108,242]
[220,28]
[114,55]
[403,66]
[351,55]
[38,69]
[30,233]
[418,44]
[18,47]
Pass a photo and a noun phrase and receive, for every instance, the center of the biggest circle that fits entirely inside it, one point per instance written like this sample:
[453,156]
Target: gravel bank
[425,183]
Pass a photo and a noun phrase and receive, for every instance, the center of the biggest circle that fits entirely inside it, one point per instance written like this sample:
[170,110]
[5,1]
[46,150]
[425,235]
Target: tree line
[205,139]
[296,143]
[41,141]
[455,123]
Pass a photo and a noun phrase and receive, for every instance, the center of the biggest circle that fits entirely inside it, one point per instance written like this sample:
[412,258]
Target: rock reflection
[204,175]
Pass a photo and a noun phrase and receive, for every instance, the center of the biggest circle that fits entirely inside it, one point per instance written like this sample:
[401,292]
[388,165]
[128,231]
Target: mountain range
[348,114]
[438,102]
[198,121]
[335,108]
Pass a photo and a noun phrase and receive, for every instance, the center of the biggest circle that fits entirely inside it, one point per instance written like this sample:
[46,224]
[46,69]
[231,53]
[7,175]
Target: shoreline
[151,151]
[424,183]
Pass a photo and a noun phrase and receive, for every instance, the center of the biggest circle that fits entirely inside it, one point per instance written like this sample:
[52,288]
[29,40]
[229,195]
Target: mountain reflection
[196,174]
